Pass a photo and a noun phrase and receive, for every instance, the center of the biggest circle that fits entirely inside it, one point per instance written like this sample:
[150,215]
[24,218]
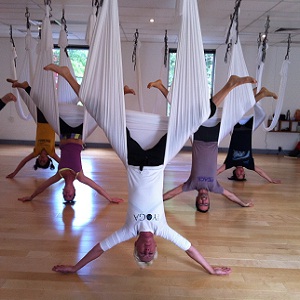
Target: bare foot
[17,84]
[264,92]
[157,84]
[9,97]
[61,70]
[235,80]
[128,90]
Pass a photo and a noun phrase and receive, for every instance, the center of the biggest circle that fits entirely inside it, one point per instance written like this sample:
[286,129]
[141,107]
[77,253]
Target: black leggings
[66,131]
[40,116]
[208,134]
[140,157]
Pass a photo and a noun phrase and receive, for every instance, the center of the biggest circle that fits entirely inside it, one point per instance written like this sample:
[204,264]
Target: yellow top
[45,139]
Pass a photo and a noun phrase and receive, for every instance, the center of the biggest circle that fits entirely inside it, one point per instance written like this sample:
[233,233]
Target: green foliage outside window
[78,58]
[209,60]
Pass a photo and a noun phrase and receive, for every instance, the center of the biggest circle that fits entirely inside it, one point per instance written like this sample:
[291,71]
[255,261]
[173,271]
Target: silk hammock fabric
[25,74]
[138,73]
[67,96]
[91,25]
[241,99]
[163,75]
[43,92]
[105,100]
[139,91]
[282,87]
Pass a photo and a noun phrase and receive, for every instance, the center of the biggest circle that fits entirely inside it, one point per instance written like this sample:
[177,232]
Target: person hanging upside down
[204,157]
[44,149]
[240,148]
[145,170]
[70,167]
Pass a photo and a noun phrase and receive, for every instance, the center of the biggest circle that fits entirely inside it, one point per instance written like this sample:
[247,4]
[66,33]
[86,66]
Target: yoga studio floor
[261,244]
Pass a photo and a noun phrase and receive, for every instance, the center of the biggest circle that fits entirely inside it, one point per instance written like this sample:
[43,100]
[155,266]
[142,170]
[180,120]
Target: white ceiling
[135,14]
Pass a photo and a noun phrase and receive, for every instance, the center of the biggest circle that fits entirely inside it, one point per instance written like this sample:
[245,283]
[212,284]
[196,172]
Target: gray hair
[143,264]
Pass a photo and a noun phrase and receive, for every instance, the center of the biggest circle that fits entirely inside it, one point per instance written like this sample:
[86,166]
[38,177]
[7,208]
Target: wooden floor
[261,244]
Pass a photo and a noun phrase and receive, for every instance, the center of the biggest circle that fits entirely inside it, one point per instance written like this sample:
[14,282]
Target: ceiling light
[151,20]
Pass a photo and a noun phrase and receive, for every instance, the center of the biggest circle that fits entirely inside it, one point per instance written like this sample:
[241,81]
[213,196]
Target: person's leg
[23,85]
[159,85]
[232,83]
[128,90]
[264,92]
[64,72]
[7,98]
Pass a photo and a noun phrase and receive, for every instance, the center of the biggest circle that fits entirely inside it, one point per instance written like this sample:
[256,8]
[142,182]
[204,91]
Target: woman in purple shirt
[70,167]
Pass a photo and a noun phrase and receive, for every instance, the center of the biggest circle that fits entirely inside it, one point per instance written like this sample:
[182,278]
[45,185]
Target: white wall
[13,128]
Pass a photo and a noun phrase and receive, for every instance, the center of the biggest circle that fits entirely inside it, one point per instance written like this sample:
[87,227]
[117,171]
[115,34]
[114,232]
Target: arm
[94,253]
[196,256]
[41,188]
[232,197]
[221,169]
[86,180]
[263,174]
[172,193]
[21,165]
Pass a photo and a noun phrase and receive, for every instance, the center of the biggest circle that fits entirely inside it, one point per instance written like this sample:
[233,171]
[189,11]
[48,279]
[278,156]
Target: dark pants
[140,157]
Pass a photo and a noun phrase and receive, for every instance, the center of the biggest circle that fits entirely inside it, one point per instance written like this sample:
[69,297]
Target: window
[78,56]
[210,66]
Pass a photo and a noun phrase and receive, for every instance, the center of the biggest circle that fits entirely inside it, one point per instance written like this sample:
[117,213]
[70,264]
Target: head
[203,201]
[69,192]
[238,174]
[43,161]
[145,250]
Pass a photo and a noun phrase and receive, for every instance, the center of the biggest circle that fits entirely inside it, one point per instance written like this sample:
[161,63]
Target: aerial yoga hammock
[241,99]
[190,98]
[240,148]
[44,149]
[282,86]
[68,123]
[136,59]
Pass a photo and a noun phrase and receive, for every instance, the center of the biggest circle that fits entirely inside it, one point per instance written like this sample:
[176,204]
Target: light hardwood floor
[261,244]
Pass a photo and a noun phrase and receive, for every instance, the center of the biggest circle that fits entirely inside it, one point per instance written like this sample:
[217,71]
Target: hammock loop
[63,21]
[228,51]
[133,58]
[97,4]
[48,3]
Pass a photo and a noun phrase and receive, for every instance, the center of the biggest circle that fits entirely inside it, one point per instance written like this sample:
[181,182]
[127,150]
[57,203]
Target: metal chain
[166,48]
[27,16]
[133,58]
[287,56]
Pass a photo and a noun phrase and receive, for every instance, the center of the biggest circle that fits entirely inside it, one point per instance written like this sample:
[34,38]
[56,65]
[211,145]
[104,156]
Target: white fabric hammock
[25,74]
[138,73]
[139,92]
[66,94]
[240,99]
[43,91]
[91,25]
[105,100]
[258,109]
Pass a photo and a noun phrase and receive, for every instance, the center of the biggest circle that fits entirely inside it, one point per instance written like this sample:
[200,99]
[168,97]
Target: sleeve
[119,236]
[171,235]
